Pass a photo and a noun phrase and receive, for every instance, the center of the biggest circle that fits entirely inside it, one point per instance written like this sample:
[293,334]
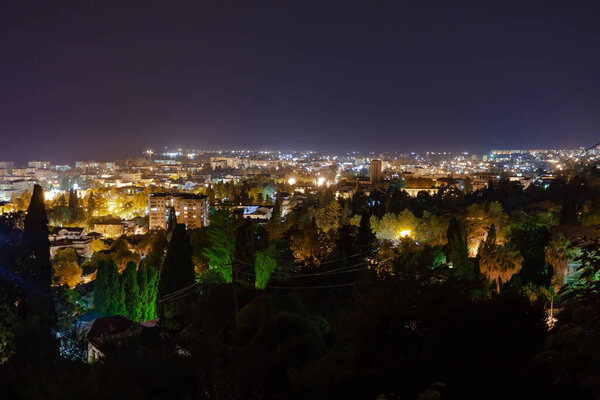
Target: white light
[320,181]
[292,181]
[404,233]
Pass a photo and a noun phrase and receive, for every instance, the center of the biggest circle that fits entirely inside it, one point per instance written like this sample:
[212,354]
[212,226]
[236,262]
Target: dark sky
[101,79]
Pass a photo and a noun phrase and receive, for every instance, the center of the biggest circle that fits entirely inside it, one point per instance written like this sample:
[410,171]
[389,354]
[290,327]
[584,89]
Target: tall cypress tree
[132,292]
[73,205]
[148,277]
[243,263]
[142,282]
[568,213]
[457,250]
[153,279]
[109,296]
[177,273]
[36,267]
[171,223]
[365,238]
[117,295]
[102,289]
[91,205]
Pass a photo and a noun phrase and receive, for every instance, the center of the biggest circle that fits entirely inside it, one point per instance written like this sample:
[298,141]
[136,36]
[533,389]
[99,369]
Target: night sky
[102,79]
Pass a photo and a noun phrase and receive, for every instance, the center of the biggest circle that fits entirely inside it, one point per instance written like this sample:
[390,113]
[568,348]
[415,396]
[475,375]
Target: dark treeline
[381,295]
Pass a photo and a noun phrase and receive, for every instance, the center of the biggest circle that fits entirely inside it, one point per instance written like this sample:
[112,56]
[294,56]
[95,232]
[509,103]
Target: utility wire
[180,290]
[312,287]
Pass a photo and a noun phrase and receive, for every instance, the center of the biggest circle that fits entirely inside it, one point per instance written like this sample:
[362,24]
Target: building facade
[75,238]
[190,209]
[375,175]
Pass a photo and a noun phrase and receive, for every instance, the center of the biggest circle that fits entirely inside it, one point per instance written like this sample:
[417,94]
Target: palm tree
[498,263]
[558,255]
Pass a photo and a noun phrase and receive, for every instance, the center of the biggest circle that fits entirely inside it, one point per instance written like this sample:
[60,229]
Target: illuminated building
[39,164]
[190,209]
[110,228]
[74,238]
[414,192]
[95,166]
[375,176]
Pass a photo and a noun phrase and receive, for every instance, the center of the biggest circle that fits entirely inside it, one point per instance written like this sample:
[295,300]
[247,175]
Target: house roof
[68,242]
[56,230]
[106,326]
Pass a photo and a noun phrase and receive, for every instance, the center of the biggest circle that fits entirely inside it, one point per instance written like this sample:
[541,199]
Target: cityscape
[299,200]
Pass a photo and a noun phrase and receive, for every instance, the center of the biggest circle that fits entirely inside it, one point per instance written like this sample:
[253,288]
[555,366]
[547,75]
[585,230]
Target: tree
[91,204]
[73,205]
[143,290]
[243,262]
[66,269]
[306,245]
[365,238]
[132,292]
[121,254]
[264,266]
[177,274]
[327,217]
[36,265]
[102,287]
[558,255]
[148,278]
[117,298]
[498,263]
[457,251]
[479,218]
[274,227]
[222,234]
[568,214]
[171,223]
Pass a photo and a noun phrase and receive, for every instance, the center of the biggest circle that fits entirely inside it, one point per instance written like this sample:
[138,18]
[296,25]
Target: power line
[313,287]
[180,290]
[168,300]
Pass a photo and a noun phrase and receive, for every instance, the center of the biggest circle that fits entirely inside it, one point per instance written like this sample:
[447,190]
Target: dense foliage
[479,295]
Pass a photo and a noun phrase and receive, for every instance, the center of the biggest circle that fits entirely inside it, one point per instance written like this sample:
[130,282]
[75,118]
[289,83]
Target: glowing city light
[404,233]
[292,181]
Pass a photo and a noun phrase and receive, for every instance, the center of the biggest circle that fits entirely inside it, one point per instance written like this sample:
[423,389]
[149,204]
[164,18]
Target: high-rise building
[190,209]
[8,165]
[375,176]
[39,164]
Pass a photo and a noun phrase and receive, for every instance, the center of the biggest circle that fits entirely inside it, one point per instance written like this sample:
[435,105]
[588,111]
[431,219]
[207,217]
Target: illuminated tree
[66,269]
[91,204]
[498,263]
[306,245]
[326,217]
[479,218]
[148,278]
[390,225]
[431,229]
[120,252]
[264,266]
[221,233]
[558,255]
[131,289]
[108,291]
